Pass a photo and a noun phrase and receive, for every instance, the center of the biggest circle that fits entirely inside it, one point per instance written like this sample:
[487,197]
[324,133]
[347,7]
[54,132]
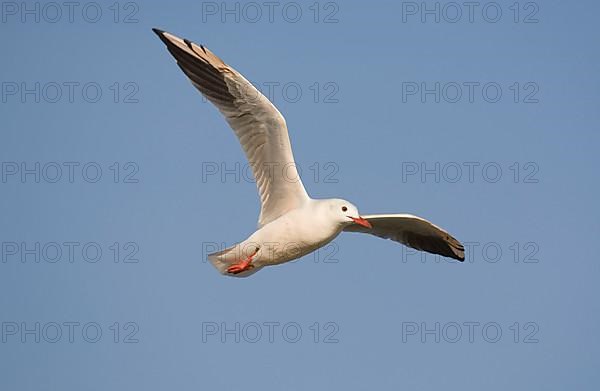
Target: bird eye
[344,209]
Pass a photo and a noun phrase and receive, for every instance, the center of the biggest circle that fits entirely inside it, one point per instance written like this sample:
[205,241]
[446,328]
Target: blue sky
[117,178]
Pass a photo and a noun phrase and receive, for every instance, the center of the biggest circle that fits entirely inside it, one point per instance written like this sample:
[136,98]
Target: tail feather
[221,260]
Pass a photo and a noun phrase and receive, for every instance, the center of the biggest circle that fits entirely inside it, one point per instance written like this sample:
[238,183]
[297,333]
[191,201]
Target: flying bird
[291,224]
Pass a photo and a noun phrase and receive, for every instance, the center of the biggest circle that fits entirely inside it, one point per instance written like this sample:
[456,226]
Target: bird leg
[242,265]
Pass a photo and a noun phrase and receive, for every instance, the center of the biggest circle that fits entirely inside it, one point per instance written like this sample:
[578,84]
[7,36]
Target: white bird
[291,224]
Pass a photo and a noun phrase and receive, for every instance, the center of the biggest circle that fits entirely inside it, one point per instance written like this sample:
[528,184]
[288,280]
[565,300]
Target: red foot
[242,266]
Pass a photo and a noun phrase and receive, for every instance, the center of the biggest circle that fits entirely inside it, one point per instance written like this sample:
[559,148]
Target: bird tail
[221,260]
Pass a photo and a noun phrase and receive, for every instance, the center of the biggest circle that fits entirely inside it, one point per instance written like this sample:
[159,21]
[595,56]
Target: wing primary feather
[414,232]
[259,126]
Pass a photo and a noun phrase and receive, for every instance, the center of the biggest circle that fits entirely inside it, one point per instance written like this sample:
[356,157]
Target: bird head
[345,213]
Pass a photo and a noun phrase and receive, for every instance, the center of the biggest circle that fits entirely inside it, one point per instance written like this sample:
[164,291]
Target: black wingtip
[162,36]
[188,43]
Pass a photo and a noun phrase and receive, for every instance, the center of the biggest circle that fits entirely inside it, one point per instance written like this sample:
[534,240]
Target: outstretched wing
[259,126]
[414,232]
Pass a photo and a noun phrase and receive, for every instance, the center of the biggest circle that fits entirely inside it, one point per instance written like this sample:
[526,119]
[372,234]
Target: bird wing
[259,126]
[414,232]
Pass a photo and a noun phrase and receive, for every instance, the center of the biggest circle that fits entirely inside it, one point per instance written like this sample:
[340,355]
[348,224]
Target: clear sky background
[364,313]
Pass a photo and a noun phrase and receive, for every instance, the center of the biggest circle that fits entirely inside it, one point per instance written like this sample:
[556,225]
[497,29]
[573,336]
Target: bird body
[293,235]
[291,224]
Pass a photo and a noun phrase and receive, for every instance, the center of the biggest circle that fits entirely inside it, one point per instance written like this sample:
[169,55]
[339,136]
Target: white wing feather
[414,232]
[259,126]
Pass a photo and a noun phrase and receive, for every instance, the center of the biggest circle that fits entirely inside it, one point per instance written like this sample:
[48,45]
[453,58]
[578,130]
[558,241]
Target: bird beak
[360,221]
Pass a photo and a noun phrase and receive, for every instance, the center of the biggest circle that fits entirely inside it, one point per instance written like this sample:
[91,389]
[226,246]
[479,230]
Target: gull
[291,224]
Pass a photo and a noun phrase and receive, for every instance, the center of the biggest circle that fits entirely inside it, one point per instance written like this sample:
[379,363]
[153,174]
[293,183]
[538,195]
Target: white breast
[291,236]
